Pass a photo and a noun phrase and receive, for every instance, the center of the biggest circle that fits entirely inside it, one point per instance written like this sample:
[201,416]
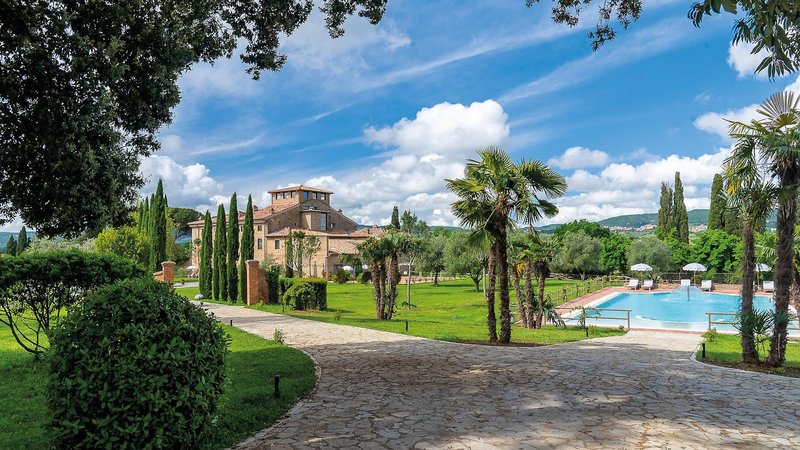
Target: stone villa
[306,209]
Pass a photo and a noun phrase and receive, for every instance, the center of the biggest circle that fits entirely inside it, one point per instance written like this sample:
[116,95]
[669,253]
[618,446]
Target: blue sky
[382,115]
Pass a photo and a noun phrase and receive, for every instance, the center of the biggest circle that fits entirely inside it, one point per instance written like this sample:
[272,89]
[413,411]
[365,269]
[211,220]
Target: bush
[320,298]
[300,296]
[36,288]
[342,276]
[273,274]
[364,277]
[135,366]
[126,242]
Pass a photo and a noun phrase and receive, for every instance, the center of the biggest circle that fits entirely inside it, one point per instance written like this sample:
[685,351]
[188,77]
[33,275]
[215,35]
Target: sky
[382,115]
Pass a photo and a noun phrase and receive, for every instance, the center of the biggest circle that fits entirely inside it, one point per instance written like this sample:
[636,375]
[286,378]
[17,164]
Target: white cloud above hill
[579,158]
[184,185]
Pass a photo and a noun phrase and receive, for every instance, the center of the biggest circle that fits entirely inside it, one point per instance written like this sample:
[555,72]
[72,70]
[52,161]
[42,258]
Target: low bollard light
[406,326]
[703,350]
[231,322]
[277,386]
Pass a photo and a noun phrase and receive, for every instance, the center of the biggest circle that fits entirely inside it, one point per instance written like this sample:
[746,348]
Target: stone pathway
[639,391]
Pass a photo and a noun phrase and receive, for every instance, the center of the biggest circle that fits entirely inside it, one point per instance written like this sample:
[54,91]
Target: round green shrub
[300,296]
[342,276]
[135,366]
[364,277]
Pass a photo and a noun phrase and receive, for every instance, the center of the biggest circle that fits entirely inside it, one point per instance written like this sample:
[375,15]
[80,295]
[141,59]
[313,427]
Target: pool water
[683,309]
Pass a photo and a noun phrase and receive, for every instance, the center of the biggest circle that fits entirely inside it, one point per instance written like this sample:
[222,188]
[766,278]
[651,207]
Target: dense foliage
[126,242]
[220,270]
[247,250]
[232,251]
[36,289]
[313,296]
[86,86]
[135,366]
[206,257]
[718,205]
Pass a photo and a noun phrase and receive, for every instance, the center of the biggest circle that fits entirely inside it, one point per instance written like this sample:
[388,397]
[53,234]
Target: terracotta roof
[362,233]
[258,214]
[299,188]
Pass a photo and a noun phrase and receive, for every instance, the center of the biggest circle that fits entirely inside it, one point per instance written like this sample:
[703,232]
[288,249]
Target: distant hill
[696,217]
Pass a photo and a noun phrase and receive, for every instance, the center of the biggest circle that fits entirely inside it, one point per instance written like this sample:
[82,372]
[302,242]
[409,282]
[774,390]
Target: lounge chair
[633,283]
[706,285]
[686,283]
[768,286]
[648,284]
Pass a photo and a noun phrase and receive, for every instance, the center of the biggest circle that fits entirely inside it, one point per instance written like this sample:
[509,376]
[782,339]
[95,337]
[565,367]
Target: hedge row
[310,299]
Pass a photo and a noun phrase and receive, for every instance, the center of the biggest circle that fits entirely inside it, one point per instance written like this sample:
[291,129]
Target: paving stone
[641,390]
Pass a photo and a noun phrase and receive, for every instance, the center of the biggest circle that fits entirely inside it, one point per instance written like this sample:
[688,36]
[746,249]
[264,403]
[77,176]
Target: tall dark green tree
[247,250]
[158,228]
[206,256]
[233,250]
[395,222]
[86,86]
[22,240]
[289,257]
[220,276]
[716,212]
[11,246]
[665,211]
[680,217]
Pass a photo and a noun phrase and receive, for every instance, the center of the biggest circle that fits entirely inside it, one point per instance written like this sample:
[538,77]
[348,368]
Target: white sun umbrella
[694,268]
[347,268]
[192,267]
[761,267]
[641,268]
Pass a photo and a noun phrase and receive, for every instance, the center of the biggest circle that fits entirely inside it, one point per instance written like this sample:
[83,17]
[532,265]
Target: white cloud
[224,78]
[189,185]
[717,123]
[744,62]
[622,188]
[421,153]
[579,158]
[311,47]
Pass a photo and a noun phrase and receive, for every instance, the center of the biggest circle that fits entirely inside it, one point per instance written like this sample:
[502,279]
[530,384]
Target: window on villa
[305,195]
[277,195]
[323,222]
[277,244]
[284,195]
[259,244]
[314,195]
[259,229]
[322,196]
[291,194]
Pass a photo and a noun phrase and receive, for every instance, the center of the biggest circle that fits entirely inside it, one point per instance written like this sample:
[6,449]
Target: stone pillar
[257,288]
[168,272]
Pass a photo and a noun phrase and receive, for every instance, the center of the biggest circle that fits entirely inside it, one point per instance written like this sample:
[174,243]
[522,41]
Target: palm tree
[374,252]
[495,194]
[542,253]
[775,139]
[394,244]
[754,198]
[518,260]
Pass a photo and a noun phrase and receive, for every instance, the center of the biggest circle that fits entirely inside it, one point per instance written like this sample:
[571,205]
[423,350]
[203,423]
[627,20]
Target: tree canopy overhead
[771,25]
[85,86]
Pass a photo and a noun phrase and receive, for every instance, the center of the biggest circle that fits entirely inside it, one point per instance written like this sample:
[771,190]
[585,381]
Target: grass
[726,350]
[453,311]
[247,406]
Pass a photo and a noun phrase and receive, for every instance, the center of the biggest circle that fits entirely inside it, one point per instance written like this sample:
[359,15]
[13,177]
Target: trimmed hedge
[135,366]
[273,274]
[320,299]
[37,288]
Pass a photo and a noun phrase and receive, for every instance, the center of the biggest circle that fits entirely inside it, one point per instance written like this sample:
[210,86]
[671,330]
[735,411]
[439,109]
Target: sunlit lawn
[248,404]
[453,311]
[727,349]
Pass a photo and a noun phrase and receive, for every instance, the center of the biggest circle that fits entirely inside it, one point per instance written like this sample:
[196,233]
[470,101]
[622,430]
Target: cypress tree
[395,223]
[680,217]
[22,240]
[289,256]
[233,249]
[716,211]
[139,216]
[11,246]
[220,275]
[733,222]
[247,251]
[665,211]
[206,252]
[158,228]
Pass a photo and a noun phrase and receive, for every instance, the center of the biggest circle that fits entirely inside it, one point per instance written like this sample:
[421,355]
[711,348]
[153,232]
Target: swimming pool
[677,310]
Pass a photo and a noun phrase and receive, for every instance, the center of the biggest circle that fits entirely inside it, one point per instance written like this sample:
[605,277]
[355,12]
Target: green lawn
[453,311]
[247,406]
[727,350]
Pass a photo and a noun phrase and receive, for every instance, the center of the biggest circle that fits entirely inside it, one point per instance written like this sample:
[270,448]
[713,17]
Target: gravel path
[638,391]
